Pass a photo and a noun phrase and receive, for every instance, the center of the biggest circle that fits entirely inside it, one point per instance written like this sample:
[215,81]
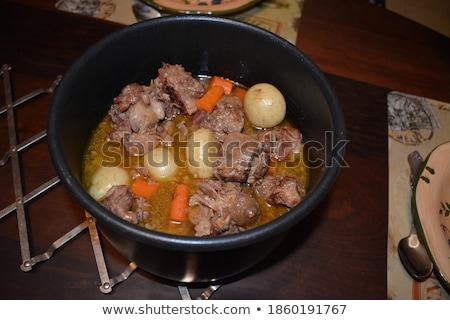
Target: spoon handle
[415,161]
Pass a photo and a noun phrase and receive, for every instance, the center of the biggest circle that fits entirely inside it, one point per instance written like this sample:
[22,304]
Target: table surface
[337,252]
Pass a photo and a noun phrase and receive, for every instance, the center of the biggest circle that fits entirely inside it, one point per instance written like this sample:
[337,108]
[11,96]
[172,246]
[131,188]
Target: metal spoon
[411,251]
[144,12]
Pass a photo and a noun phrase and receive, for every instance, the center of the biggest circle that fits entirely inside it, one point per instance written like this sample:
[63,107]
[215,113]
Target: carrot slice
[227,85]
[272,168]
[141,188]
[240,93]
[210,98]
[179,203]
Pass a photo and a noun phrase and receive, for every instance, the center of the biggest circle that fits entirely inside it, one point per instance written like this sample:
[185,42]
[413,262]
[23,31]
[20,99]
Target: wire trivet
[12,154]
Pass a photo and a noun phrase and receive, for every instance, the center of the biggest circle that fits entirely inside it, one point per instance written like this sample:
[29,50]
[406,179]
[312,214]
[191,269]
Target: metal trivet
[12,154]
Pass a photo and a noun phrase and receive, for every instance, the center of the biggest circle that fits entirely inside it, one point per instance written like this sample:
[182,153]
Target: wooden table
[338,252]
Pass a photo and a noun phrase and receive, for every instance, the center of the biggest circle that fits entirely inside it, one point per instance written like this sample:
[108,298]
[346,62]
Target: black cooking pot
[204,46]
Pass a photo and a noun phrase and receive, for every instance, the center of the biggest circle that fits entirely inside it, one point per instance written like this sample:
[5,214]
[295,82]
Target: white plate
[432,209]
[210,7]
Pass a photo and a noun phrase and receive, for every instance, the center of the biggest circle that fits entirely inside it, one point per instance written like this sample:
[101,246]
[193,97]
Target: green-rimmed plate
[432,209]
[207,7]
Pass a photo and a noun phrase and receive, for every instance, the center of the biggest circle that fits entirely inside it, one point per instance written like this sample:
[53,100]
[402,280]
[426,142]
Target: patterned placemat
[414,123]
[278,16]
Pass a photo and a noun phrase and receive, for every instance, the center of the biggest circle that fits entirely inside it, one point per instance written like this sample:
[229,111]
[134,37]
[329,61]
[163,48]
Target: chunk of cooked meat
[142,116]
[221,208]
[244,210]
[119,200]
[241,159]
[135,109]
[129,95]
[285,190]
[183,89]
[281,143]
[227,117]
[134,116]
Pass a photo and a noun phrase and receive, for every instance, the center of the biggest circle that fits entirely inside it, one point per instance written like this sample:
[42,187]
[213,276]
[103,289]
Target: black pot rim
[182,243]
